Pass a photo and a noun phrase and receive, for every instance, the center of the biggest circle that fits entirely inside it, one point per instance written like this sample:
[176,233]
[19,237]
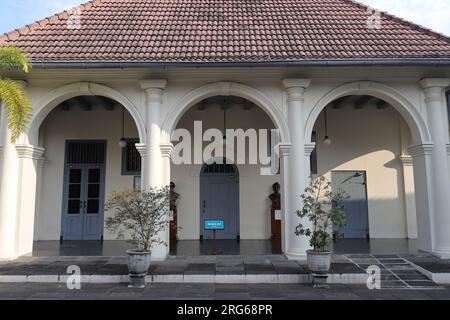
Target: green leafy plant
[144,214]
[324,209]
[12,94]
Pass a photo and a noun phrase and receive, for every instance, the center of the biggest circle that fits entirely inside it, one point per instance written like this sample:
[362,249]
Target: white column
[166,153]
[8,194]
[152,162]
[153,90]
[296,169]
[409,195]
[436,109]
[28,161]
[421,155]
[17,199]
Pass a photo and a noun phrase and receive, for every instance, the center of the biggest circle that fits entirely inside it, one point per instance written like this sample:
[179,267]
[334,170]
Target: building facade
[371,115]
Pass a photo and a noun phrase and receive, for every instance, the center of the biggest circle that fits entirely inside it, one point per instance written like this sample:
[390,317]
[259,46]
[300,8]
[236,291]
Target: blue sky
[433,14]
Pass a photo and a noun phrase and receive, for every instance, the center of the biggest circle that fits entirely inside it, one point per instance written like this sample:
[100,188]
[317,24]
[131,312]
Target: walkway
[396,272]
[171,291]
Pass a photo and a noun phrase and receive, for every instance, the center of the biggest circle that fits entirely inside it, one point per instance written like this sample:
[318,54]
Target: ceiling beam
[363,101]
[65,106]
[381,105]
[84,103]
[340,103]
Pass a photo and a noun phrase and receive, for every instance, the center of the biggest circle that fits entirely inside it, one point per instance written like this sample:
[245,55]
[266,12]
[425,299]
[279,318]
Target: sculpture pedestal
[275,231]
[275,225]
[174,226]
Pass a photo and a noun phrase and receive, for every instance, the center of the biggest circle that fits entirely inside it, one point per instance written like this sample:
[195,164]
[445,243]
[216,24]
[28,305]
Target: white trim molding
[309,148]
[284,149]
[421,150]
[179,107]
[142,149]
[406,160]
[27,151]
[166,150]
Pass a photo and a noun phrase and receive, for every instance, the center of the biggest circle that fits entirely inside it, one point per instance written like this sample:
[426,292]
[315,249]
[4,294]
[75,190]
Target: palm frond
[17,106]
[12,57]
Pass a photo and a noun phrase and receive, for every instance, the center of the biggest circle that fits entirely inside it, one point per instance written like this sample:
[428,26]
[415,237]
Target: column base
[442,253]
[160,254]
[8,258]
[296,254]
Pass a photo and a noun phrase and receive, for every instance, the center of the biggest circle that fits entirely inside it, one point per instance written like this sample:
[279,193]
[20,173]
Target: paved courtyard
[169,291]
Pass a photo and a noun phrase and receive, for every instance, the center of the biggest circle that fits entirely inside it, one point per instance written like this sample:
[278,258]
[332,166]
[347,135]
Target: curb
[439,278]
[201,278]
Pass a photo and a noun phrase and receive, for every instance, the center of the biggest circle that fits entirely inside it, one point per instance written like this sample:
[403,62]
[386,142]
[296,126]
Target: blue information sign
[214,225]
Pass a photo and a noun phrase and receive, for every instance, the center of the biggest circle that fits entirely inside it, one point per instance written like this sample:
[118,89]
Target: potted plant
[325,212]
[143,215]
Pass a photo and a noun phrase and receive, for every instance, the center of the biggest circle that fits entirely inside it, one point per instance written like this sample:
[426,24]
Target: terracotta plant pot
[138,264]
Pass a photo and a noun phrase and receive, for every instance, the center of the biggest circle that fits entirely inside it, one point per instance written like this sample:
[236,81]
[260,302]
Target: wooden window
[313,157]
[131,159]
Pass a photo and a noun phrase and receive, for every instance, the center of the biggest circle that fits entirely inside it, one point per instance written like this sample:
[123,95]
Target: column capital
[421,150]
[406,160]
[296,83]
[448,149]
[27,151]
[166,150]
[434,83]
[295,88]
[309,148]
[284,149]
[142,149]
[153,84]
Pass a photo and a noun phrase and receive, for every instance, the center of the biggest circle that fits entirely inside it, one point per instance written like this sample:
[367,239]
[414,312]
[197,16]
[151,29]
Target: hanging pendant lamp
[123,141]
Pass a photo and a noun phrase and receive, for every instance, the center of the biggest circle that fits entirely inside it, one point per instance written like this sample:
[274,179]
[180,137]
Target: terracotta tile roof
[225,31]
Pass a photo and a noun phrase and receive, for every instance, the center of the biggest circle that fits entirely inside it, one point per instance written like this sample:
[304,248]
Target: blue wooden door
[83,203]
[220,200]
[84,189]
[356,206]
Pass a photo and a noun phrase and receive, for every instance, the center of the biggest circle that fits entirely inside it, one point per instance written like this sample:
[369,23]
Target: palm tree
[12,94]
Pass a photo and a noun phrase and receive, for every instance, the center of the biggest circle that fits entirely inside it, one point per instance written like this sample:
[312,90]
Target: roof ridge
[410,24]
[11,35]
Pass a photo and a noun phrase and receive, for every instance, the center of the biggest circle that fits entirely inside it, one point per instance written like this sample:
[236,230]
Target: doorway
[84,189]
[219,200]
[354,183]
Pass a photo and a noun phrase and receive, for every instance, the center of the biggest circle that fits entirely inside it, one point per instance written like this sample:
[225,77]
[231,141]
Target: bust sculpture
[275,197]
[174,196]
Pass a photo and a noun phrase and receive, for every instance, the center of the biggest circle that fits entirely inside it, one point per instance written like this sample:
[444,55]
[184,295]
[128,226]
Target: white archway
[419,129]
[177,110]
[61,94]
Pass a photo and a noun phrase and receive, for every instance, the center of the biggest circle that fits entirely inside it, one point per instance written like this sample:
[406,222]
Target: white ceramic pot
[138,264]
[318,262]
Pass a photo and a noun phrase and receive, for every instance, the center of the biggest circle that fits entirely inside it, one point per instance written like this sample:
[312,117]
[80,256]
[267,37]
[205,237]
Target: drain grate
[396,272]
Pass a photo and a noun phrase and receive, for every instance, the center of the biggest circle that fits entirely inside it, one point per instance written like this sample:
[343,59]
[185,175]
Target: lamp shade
[122,143]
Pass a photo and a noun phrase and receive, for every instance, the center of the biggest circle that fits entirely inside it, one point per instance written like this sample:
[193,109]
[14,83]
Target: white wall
[60,126]
[369,140]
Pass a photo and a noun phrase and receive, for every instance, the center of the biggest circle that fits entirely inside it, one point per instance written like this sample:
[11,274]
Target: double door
[83,202]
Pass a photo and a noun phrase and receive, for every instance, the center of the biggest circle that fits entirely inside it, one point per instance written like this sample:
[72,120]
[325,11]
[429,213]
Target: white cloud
[433,14]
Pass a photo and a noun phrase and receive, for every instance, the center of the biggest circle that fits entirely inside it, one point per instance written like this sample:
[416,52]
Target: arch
[61,94]
[177,110]
[419,130]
